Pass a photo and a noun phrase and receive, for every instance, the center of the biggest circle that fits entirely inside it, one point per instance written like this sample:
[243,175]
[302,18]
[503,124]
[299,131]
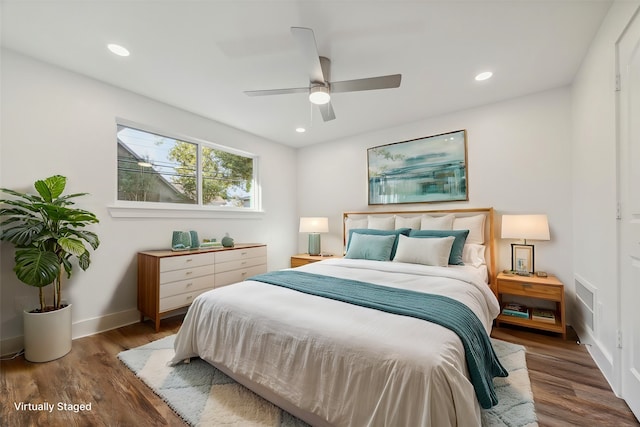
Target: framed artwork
[423,170]
[522,258]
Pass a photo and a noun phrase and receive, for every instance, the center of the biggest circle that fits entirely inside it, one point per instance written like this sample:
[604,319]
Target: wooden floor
[568,388]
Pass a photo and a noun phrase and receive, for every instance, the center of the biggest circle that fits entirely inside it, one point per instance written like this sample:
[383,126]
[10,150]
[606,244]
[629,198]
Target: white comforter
[340,364]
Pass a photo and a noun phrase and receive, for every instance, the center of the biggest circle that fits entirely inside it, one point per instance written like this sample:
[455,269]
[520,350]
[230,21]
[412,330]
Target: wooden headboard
[489,230]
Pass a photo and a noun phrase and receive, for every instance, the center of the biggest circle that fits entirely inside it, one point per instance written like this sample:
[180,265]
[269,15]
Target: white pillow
[382,223]
[473,254]
[428,251]
[352,223]
[411,222]
[475,225]
[429,222]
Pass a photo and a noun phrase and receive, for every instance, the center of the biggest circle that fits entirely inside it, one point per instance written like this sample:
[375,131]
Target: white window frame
[137,209]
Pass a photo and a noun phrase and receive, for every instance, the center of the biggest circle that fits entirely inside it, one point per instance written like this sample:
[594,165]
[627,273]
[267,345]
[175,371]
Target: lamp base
[314,244]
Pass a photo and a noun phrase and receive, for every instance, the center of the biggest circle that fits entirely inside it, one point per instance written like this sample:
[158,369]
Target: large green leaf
[84,260]
[22,234]
[64,200]
[71,245]
[88,236]
[35,267]
[50,188]
[25,196]
[21,205]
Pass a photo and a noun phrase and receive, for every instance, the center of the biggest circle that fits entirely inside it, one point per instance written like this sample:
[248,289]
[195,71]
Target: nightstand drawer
[297,262]
[534,290]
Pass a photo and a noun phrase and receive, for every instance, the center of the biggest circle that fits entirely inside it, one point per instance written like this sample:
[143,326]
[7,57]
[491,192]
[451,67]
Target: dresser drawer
[234,276]
[177,301]
[184,286]
[535,290]
[238,254]
[222,267]
[186,273]
[186,261]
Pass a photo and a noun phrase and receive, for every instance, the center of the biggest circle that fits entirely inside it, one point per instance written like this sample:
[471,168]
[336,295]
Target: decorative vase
[195,242]
[181,240]
[47,336]
[227,241]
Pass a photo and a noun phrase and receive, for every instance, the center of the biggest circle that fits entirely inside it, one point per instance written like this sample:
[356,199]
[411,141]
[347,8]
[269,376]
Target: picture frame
[424,170]
[522,258]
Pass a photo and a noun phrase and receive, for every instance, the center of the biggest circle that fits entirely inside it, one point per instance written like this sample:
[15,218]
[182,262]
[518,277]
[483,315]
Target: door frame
[622,356]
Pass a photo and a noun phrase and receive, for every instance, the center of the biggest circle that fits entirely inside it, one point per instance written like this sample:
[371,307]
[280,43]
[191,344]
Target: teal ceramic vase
[227,241]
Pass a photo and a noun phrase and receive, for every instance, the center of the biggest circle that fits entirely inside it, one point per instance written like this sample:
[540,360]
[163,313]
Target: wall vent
[586,302]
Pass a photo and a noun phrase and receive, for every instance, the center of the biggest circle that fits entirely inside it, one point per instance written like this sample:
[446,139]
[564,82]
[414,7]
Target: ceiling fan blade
[307,42]
[276,91]
[327,112]
[383,82]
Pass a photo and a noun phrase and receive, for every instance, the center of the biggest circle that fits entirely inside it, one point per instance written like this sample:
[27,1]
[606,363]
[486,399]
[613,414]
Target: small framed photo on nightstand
[522,258]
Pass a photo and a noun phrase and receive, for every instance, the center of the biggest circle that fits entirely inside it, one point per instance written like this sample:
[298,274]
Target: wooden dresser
[170,280]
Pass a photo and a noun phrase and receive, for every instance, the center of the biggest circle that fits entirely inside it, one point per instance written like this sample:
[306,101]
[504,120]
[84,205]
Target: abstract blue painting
[423,170]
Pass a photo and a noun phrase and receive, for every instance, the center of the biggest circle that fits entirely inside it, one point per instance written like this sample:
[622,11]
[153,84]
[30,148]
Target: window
[153,168]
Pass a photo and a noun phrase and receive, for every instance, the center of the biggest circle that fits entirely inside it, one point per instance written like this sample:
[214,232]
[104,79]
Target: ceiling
[201,55]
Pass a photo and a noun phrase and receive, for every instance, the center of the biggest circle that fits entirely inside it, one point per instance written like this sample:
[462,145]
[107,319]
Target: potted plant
[48,234]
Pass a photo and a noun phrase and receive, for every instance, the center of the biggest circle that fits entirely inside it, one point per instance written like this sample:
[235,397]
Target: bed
[343,342]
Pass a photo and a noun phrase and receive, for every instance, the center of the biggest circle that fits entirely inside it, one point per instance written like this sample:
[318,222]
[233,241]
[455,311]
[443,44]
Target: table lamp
[531,227]
[314,226]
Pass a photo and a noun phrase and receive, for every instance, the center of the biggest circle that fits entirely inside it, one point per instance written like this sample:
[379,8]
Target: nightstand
[304,259]
[539,288]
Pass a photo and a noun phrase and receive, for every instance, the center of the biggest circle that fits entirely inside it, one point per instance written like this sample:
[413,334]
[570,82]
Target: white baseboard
[96,325]
[79,329]
[11,346]
[599,354]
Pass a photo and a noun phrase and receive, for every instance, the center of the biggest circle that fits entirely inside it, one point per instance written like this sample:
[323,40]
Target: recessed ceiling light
[301,130]
[118,50]
[484,76]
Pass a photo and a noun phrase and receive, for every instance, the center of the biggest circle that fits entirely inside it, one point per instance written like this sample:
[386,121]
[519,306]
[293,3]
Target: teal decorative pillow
[455,257]
[376,232]
[372,247]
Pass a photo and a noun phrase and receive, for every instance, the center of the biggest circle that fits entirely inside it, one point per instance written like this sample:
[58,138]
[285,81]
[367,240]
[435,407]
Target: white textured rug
[203,396]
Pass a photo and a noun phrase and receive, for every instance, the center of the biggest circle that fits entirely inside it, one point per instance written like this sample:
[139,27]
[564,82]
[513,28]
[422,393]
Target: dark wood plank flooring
[568,388]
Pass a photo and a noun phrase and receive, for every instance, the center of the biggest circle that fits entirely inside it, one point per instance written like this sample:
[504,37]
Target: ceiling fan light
[319,95]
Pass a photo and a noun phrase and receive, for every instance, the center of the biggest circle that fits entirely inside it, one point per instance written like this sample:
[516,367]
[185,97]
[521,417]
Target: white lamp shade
[314,225]
[528,227]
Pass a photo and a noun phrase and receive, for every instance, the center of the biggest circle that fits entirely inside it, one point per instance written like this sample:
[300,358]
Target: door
[628,50]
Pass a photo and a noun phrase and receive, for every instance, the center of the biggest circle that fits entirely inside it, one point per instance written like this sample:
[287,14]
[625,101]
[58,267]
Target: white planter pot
[47,336]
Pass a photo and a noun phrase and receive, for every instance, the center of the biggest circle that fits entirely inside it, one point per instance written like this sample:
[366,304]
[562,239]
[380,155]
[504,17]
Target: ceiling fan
[320,88]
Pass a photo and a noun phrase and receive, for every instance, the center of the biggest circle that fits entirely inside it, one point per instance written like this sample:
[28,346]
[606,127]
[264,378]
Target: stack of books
[543,315]
[516,310]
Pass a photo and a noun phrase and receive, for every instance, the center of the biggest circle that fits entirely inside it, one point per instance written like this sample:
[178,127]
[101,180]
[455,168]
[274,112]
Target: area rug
[203,396]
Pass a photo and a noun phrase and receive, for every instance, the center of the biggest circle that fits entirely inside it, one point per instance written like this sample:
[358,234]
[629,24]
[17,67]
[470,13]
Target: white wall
[594,191]
[58,122]
[519,155]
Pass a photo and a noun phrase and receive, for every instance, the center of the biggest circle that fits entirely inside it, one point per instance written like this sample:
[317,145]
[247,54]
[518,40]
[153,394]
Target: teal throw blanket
[482,362]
